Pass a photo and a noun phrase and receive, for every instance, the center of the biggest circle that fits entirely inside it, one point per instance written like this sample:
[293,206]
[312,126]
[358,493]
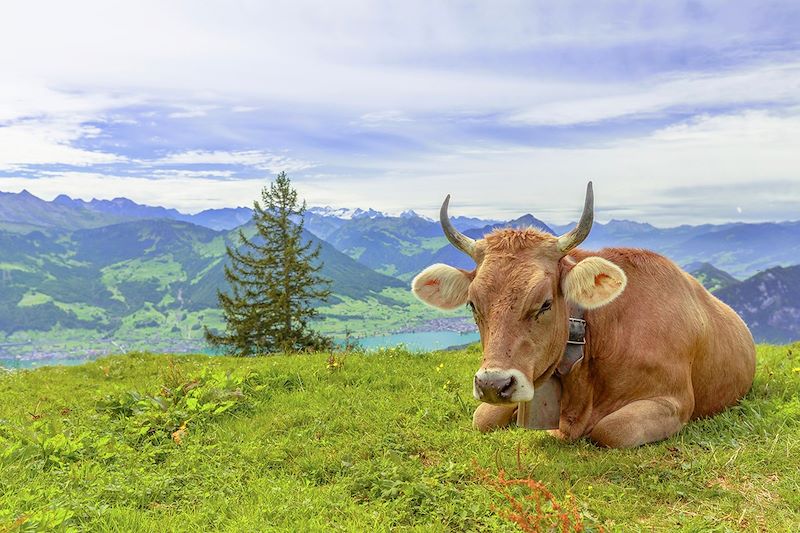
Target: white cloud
[184,173]
[258,159]
[188,114]
[632,177]
[378,67]
[380,118]
[776,85]
[364,57]
[48,141]
[702,170]
[192,111]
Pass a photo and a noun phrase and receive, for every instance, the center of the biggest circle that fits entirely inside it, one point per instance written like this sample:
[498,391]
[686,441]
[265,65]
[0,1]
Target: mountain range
[75,269]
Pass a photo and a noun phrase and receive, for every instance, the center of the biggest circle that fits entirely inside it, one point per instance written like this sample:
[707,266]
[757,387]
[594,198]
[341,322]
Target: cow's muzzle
[495,385]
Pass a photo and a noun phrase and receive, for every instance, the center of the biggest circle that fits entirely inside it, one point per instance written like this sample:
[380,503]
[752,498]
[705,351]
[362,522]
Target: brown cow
[660,349]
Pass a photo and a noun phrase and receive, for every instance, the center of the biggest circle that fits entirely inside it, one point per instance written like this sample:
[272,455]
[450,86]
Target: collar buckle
[573,351]
[577,331]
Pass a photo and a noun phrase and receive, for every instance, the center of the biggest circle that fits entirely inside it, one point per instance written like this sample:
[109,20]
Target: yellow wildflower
[179,434]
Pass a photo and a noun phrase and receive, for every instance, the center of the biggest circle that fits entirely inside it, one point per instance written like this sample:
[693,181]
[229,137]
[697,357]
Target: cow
[660,350]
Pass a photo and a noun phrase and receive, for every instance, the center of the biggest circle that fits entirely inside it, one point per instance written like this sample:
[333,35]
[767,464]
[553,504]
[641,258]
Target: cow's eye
[545,307]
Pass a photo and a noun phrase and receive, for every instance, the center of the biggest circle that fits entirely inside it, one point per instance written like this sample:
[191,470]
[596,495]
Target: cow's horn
[573,238]
[456,238]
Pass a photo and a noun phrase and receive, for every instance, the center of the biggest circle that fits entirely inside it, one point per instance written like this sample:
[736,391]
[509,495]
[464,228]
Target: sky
[679,112]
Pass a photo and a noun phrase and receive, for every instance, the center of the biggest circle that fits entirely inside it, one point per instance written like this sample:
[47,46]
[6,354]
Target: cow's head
[519,293]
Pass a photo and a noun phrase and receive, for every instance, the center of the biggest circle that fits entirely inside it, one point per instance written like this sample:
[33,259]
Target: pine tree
[274,281]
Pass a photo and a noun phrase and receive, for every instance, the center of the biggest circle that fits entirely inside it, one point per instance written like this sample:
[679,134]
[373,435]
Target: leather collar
[574,351]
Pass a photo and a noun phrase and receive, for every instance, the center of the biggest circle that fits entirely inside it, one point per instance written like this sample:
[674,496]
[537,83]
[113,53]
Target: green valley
[156,281]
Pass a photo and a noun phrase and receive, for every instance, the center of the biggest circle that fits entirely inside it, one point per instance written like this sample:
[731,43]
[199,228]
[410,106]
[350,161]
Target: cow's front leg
[640,422]
[488,417]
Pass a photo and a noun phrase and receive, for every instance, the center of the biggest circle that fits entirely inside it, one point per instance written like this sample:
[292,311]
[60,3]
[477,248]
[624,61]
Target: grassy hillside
[382,442]
[142,280]
[710,276]
[390,245]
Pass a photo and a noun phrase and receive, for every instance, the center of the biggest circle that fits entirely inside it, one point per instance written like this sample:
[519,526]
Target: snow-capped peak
[345,213]
[410,213]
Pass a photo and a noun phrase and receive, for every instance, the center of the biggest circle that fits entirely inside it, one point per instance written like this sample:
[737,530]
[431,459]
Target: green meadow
[366,442]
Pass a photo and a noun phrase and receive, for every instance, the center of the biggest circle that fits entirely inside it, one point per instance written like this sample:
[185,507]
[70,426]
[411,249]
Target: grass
[163,269]
[397,308]
[33,298]
[369,443]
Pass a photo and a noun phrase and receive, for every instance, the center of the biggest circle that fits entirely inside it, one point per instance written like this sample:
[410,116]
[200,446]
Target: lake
[420,341]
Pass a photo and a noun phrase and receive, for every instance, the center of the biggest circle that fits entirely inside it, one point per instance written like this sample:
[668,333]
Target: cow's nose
[494,386]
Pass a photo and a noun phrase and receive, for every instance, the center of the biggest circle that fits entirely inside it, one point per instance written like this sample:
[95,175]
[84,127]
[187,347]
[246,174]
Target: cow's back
[666,336]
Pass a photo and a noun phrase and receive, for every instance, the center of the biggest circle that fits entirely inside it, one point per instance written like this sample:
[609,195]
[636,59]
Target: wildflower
[796,370]
[440,367]
[179,434]
[334,363]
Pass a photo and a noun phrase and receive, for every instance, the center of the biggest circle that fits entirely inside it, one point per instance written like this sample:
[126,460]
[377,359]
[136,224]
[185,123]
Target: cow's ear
[442,286]
[593,282]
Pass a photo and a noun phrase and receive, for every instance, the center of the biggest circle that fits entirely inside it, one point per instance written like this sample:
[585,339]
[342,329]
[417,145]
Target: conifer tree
[274,281]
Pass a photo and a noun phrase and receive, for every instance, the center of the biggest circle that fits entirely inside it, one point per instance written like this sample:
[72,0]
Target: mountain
[769,303]
[738,248]
[710,276]
[125,209]
[136,275]
[118,267]
[450,256]
[220,219]
[346,213]
[121,208]
[24,212]
[744,248]
[402,246]
[410,213]
[321,224]
[462,223]
[392,245]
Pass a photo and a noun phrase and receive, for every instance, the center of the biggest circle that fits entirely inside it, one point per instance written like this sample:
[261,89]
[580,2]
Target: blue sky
[681,112]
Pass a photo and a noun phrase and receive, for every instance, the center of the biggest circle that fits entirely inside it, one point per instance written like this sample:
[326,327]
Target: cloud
[185,173]
[731,153]
[777,85]
[511,106]
[192,111]
[368,57]
[379,118]
[188,114]
[699,170]
[258,159]
[49,141]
